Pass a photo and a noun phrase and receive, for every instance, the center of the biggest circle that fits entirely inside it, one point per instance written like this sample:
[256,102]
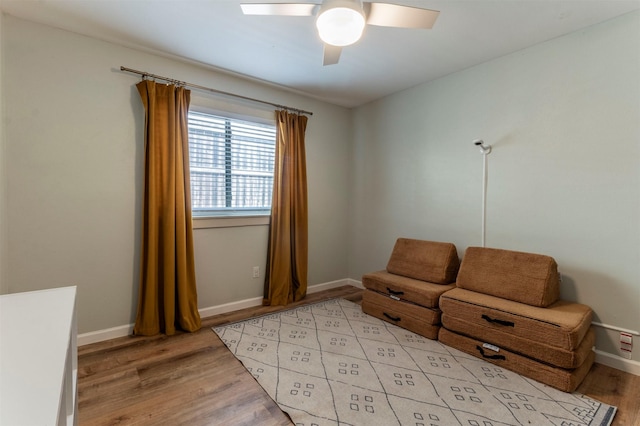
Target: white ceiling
[287,51]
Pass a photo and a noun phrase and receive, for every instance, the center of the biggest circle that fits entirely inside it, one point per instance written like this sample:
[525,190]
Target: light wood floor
[192,379]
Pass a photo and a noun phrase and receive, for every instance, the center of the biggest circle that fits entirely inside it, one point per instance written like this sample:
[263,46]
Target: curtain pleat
[287,255]
[167,296]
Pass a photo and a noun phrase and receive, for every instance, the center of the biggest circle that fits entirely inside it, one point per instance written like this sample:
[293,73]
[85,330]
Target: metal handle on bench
[396,319]
[479,348]
[497,321]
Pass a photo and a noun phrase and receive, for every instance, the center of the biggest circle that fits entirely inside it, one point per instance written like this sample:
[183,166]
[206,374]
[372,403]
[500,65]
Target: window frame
[232,217]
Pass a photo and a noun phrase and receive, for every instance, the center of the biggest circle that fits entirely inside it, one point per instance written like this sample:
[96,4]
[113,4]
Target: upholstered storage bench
[407,293]
[506,309]
[418,319]
[558,334]
[566,380]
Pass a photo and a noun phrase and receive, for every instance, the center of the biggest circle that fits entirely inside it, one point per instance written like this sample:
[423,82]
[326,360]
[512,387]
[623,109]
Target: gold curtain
[167,296]
[286,277]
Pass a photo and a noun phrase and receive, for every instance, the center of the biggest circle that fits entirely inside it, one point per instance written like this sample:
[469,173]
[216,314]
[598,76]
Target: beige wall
[4,286]
[74,129]
[564,175]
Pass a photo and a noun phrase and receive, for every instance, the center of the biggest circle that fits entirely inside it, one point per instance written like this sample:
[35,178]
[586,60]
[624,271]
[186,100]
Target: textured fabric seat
[506,310]
[398,287]
[564,379]
[408,291]
[555,334]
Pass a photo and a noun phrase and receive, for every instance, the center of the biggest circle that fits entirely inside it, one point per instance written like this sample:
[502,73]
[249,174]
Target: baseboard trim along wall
[127,330]
[604,358]
[615,361]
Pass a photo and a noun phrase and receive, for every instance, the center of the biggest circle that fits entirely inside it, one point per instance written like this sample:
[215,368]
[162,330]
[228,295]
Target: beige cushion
[562,325]
[418,319]
[541,351]
[421,293]
[522,277]
[430,261]
[566,380]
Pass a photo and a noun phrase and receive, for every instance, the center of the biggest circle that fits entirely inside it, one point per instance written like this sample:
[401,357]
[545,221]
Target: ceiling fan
[341,22]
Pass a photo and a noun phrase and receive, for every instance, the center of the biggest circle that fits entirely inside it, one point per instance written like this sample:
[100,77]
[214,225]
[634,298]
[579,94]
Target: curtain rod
[208,89]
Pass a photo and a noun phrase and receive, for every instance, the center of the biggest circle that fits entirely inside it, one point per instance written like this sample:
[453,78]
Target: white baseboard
[615,361]
[257,301]
[605,358]
[333,284]
[127,330]
[102,335]
[355,283]
[230,307]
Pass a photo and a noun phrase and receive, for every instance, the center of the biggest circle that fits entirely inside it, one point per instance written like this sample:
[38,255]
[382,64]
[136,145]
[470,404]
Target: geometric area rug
[331,364]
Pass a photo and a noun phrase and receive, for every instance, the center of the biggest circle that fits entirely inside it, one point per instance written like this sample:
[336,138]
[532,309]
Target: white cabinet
[38,358]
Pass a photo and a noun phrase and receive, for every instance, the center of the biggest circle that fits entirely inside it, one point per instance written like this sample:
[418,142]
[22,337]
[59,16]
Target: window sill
[230,221]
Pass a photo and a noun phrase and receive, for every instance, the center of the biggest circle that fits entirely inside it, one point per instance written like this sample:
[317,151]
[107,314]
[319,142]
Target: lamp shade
[340,22]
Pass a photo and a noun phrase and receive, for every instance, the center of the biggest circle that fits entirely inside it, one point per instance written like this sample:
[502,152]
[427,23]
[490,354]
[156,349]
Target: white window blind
[231,165]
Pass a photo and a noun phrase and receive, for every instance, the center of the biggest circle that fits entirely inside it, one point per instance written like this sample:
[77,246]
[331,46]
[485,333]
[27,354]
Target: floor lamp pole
[484,150]
[484,198]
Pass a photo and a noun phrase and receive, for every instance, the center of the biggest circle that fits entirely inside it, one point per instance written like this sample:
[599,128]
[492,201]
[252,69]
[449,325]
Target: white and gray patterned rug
[331,364]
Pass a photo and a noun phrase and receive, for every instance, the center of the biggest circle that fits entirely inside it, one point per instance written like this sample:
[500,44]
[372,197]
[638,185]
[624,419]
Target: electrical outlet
[626,344]
[256,272]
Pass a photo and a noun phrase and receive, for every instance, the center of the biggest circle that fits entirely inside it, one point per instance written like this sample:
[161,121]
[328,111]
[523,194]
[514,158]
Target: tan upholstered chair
[408,291]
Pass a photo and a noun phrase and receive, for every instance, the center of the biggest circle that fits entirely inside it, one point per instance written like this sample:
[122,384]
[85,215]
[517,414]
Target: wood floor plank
[614,387]
[193,379]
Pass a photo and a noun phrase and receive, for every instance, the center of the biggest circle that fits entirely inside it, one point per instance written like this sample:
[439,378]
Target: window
[231,165]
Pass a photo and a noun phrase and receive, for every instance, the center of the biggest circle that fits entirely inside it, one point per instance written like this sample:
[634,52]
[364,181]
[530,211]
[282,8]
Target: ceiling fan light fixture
[340,22]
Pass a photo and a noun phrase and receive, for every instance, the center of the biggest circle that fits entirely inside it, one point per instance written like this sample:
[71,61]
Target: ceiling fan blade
[331,54]
[283,9]
[393,15]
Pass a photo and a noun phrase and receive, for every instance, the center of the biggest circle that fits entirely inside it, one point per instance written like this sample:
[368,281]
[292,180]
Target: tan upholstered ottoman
[407,293]
[552,334]
[506,309]
[397,287]
[418,319]
[566,380]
